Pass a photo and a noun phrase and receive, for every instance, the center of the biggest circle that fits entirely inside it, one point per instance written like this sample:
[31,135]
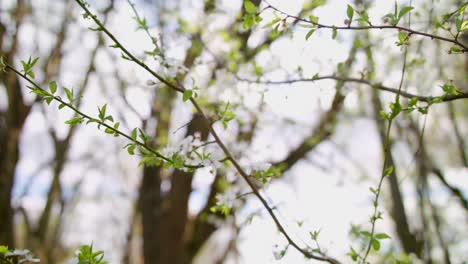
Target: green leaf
[316,250]
[413,101]
[383,114]
[382,236]
[248,21]
[314,235]
[4,249]
[455,49]
[49,99]
[396,109]
[125,57]
[461,10]
[404,11]
[258,70]
[223,209]
[142,23]
[464,26]
[313,19]
[350,13]
[375,244]
[53,87]
[312,4]
[450,89]
[25,65]
[74,121]
[177,161]
[271,23]
[150,161]
[31,74]
[423,110]
[96,29]
[102,112]
[250,8]
[366,233]
[364,18]
[353,254]
[402,38]
[334,32]
[39,92]
[28,65]
[143,136]
[92,121]
[131,149]
[134,134]
[187,94]
[309,34]
[110,118]
[388,171]
[33,62]
[69,94]
[226,115]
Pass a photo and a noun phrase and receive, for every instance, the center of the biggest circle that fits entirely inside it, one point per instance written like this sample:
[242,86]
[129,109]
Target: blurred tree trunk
[9,147]
[13,121]
[176,218]
[150,206]
[150,196]
[151,200]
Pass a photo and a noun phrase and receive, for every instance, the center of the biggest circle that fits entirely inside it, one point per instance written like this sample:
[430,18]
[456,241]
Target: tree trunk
[176,218]
[150,206]
[9,148]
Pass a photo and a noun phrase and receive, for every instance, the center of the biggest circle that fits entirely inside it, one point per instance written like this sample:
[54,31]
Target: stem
[86,116]
[375,214]
[358,28]
[374,85]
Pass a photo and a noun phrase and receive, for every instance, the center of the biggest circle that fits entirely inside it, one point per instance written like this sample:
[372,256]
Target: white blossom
[228,198]
[171,67]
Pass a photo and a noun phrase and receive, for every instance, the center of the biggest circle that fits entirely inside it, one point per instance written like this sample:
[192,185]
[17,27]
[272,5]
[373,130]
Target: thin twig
[375,85]
[359,28]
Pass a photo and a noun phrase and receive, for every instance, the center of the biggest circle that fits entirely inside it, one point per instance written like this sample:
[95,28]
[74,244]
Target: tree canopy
[204,131]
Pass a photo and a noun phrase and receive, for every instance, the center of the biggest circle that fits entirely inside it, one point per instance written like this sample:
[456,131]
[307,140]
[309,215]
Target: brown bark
[151,199]
[15,116]
[176,218]
[150,206]
[150,196]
